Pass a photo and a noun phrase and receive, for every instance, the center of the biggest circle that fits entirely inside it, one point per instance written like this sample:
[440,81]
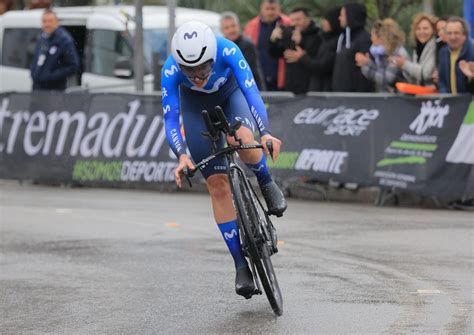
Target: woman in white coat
[420,69]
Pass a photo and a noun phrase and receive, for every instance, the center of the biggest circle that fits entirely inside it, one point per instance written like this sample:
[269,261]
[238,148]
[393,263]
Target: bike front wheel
[254,239]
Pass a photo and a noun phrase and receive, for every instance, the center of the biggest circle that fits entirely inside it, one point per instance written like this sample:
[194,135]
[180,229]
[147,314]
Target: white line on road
[63,210]
[428,291]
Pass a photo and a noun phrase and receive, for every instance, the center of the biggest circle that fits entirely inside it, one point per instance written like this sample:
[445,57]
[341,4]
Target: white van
[104,40]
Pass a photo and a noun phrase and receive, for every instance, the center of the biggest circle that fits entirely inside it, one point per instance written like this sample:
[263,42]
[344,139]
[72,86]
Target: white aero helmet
[193,44]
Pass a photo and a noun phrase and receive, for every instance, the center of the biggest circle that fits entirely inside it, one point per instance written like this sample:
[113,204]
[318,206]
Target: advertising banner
[421,145]
[89,138]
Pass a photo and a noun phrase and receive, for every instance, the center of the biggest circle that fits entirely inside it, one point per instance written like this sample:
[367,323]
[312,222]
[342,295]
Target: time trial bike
[258,236]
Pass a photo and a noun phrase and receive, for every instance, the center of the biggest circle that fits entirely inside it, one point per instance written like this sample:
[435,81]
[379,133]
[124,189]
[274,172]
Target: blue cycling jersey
[229,60]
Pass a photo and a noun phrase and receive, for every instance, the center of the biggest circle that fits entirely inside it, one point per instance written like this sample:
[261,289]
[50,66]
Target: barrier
[422,145]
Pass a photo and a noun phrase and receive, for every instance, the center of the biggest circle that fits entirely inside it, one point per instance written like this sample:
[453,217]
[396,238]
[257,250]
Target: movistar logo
[231,235]
[171,71]
[218,83]
[249,83]
[188,36]
[228,52]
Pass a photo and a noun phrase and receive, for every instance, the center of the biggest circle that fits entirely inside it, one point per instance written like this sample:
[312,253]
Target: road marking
[63,210]
[428,291]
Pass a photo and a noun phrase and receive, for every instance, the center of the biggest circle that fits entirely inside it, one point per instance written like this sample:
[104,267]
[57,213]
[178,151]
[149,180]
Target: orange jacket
[252,30]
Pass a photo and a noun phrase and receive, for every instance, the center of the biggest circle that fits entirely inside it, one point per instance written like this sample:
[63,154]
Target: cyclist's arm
[243,74]
[170,79]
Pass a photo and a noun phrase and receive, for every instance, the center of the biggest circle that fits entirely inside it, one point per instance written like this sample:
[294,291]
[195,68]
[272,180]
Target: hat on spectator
[356,15]
[332,15]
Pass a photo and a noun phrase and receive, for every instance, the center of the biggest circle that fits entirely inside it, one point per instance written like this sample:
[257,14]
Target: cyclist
[202,72]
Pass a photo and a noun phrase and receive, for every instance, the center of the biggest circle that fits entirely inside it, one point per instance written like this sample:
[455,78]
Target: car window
[155,41]
[18,47]
[106,47]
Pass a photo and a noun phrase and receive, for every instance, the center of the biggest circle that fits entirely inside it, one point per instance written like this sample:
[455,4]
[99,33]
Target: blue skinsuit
[231,85]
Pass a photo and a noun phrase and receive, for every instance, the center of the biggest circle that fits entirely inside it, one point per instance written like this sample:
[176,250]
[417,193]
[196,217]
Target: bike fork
[258,289]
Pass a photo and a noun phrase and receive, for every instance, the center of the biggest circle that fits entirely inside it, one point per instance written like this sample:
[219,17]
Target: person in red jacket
[259,29]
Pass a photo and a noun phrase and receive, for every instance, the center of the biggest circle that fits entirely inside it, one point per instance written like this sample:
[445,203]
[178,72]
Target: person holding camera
[293,43]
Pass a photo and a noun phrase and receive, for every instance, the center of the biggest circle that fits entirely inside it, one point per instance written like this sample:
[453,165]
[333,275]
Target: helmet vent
[192,61]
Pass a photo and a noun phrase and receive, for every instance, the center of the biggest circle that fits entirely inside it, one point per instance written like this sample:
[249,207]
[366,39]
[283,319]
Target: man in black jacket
[347,76]
[322,65]
[56,58]
[301,39]
[230,29]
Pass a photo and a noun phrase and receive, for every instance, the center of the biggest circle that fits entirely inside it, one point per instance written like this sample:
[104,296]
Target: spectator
[322,65]
[55,57]
[230,28]
[467,69]
[441,37]
[387,41]
[441,40]
[259,29]
[420,70]
[459,48]
[300,39]
[347,77]
[6,5]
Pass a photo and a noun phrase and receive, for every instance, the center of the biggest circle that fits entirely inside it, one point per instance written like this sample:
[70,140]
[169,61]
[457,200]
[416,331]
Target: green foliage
[246,9]
[372,10]
[451,7]
[145,2]
[400,10]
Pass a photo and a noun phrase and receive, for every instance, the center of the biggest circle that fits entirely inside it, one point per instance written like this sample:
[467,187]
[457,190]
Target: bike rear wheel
[255,240]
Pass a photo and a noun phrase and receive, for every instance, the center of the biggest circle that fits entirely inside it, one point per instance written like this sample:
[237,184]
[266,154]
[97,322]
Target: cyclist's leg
[237,109]
[224,213]
[214,173]
[225,216]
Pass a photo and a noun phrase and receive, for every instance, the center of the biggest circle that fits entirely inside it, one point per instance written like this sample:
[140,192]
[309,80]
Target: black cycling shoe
[244,285]
[274,198]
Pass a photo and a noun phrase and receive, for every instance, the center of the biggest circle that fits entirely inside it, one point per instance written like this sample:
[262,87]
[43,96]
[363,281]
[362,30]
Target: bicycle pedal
[251,294]
[278,215]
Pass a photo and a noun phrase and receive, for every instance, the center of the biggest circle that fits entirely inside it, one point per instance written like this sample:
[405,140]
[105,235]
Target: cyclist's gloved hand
[276,145]
[184,162]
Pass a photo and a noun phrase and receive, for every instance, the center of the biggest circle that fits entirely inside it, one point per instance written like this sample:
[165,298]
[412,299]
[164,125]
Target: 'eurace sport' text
[338,121]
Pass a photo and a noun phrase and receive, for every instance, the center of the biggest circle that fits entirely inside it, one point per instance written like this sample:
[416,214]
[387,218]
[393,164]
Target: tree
[400,10]
[452,7]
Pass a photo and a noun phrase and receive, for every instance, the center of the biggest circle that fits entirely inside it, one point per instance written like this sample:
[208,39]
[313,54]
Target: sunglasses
[201,71]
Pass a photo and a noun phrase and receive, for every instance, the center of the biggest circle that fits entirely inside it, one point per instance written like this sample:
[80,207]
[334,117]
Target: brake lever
[269,144]
[221,116]
[188,174]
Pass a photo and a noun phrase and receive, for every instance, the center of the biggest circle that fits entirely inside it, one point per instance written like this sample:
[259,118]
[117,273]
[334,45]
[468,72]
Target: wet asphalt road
[84,261]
